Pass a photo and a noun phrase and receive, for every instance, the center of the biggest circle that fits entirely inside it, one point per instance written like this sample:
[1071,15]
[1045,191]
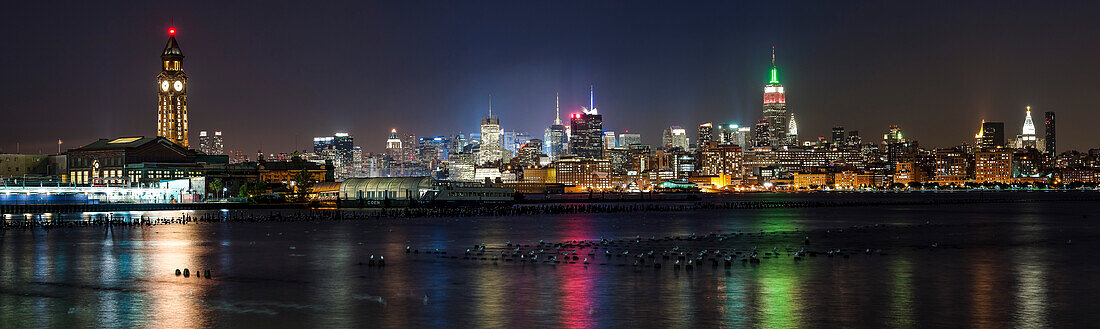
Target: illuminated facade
[812,181]
[584,174]
[991,135]
[555,138]
[706,133]
[587,131]
[953,166]
[676,137]
[211,144]
[716,159]
[1049,133]
[775,109]
[491,144]
[628,138]
[993,165]
[1027,140]
[172,94]
[394,147]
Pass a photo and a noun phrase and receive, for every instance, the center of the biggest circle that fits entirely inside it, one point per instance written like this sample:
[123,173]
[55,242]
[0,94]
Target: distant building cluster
[576,155]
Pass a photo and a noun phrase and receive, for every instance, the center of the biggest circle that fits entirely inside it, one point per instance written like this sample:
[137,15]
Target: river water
[1017,264]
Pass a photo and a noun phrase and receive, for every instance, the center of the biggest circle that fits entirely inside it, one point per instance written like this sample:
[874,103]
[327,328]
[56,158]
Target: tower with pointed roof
[172,94]
[775,110]
[556,140]
[1028,139]
[491,149]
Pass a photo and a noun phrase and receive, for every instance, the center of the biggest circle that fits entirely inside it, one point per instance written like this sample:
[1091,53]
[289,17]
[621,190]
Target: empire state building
[172,93]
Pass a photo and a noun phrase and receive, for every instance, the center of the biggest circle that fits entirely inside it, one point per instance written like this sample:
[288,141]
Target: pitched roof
[172,48]
[133,142]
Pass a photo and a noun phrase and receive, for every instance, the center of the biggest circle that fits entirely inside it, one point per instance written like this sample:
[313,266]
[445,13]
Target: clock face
[178,85]
[164,85]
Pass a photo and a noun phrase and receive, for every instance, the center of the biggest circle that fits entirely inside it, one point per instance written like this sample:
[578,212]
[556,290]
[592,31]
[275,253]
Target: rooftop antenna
[490,105]
[557,109]
[592,96]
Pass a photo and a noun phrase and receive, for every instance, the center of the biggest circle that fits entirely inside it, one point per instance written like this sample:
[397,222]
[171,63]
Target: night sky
[273,74]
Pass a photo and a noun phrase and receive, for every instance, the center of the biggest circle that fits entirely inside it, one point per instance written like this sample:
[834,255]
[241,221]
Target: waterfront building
[813,180]
[1048,132]
[857,180]
[172,94]
[137,159]
[798,159]
[993,165]
[584,173]
[19,166]
[720,159]
[906,173]
[286,172]
[952,166]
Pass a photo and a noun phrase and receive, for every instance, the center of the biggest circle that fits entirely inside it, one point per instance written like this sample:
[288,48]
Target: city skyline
[521,106]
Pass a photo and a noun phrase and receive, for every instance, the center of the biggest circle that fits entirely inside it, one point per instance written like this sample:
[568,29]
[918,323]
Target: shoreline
[809,197]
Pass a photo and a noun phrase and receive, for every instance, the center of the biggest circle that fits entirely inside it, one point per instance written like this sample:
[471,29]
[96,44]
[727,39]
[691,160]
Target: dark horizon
[274,76]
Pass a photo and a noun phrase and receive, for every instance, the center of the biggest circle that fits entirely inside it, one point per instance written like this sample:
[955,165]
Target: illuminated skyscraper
[491,146]
[991,135]
[1049,132]
[394,147]
[838,136]
[676,137]
[172,93]
[211,144]
[587,131]
[706,134]
[792,131]
[775,109]
[1027,140]
[555,137]
[609,140]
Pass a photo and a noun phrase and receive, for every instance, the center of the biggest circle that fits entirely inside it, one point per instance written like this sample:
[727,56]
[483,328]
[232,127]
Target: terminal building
[405,191]
[128,161]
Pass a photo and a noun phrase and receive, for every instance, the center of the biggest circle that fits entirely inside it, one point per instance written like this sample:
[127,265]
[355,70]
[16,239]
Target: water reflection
[309,274]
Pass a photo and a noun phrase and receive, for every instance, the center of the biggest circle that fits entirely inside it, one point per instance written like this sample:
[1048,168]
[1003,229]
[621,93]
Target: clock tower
[172,93]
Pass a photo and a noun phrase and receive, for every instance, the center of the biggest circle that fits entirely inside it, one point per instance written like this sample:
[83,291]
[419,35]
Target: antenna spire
[592,96]
[557,109]
[490,105]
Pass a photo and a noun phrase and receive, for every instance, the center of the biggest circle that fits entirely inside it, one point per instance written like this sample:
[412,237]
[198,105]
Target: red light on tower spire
[172,31]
